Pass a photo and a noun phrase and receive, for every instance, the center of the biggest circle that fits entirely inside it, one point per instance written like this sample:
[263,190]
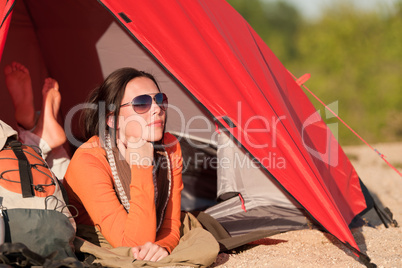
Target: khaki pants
[197,248]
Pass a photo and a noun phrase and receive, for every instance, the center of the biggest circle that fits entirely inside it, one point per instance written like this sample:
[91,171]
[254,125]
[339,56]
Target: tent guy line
[300,81]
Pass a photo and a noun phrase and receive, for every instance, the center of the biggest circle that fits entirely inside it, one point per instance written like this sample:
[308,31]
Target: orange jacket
[89,184]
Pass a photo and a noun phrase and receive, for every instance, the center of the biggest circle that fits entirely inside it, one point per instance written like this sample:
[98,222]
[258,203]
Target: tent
[220,78]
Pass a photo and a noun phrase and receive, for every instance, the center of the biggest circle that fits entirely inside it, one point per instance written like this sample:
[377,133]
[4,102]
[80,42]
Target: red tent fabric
[6,12]
[220,60]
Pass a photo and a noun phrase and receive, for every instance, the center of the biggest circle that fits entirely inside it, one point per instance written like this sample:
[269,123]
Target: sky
[312,8]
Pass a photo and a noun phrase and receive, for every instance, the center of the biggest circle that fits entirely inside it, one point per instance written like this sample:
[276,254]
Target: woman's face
[149,125]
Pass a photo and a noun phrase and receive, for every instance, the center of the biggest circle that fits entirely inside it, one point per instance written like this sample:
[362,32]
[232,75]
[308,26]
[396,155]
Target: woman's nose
[155,109]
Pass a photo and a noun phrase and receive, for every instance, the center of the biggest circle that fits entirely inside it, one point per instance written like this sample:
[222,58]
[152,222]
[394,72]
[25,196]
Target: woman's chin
[155,138]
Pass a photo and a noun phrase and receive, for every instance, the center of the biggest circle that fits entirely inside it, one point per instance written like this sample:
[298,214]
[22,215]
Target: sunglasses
[142,104]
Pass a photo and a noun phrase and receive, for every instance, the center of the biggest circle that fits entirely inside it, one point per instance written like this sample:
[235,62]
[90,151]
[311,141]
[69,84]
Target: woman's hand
[137,151]
[149,252]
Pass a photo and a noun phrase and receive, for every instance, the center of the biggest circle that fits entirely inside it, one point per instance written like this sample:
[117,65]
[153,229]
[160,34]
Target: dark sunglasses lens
[161,100]
[141,104]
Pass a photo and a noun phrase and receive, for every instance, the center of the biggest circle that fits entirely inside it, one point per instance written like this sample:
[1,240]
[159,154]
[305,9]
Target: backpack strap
[24,169]
[18,255]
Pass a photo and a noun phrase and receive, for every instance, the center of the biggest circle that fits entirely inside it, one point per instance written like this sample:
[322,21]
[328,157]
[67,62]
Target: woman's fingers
[155,253]
[135,251]
[135,142]
[136,151]
[162,253]
[149,252]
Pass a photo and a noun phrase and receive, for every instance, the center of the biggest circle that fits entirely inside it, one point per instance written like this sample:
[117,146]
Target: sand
[312,248]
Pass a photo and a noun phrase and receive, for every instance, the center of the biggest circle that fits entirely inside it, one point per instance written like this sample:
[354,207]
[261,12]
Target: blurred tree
[278,24]
[354,56]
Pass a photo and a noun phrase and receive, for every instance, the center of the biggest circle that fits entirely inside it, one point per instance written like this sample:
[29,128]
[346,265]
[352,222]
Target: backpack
[33,208]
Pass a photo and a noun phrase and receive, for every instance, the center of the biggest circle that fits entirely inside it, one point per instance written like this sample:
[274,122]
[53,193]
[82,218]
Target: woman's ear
[110,120]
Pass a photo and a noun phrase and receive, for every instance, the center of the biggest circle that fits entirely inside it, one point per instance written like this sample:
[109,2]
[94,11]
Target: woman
[126,179]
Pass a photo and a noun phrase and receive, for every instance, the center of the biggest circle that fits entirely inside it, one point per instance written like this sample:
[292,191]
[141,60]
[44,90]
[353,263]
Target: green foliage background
[354,57]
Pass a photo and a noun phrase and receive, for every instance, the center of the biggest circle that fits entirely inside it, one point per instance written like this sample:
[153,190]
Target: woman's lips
[157,123]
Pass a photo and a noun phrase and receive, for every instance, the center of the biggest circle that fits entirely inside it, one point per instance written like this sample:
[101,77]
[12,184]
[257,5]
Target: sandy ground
[312,248]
